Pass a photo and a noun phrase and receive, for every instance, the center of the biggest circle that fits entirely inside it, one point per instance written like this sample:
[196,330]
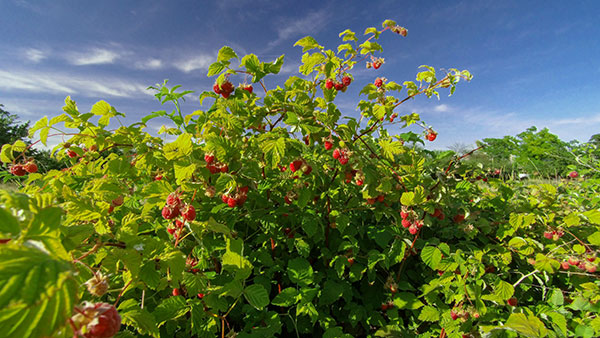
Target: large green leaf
[257,296]
[37,291]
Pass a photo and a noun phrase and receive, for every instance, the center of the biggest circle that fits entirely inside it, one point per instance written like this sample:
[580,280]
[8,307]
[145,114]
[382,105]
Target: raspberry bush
[272,214]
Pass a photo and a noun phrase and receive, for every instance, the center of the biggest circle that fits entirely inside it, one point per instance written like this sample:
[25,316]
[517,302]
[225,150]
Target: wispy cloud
[149,64]
[194,63]
[94,56]
[441,108]
[34,55]
[62,83]
[309,24]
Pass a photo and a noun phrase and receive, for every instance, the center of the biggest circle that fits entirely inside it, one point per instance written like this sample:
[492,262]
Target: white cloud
[309,24]
[62,83]
[149,64]
[442,108]
[93,57]
[35,55]
[194,63]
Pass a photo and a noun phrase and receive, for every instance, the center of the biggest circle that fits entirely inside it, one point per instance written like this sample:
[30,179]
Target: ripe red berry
[565,265]
[343,160]
[224,168]
[328,145]
[512,301]
[287,231]
[346,81]
[406,223]
[573,174]
[590,268]
[189,213]
[380,198]
[459,218]
[18,170]
[378,82]
[226,89]
[431,136]
[384,307]
[453,315]
[71,153]
[376,64]
[573,261]
[31,167]
[307,170]
[338,86]
[248,88]
[329,83]
[224,198]
[337,154]
[158,177]
[101,320]
[359,182]
[169,212]
[208,158]
[200,295]
[216,88]
[175,292]
[413,229]
[404,215]
[173,199]
[287,200]
[231,202]
[548,234]
[295,165]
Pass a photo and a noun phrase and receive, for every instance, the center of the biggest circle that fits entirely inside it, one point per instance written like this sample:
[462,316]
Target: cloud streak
[62,83]
[95,56]
[309,24]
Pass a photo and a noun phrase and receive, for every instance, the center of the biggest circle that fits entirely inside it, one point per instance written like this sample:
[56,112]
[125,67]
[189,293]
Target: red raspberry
[31,167]
[351,261]
[406,223]
[248,88]
[512,301]
[378,82]
[548,234]
[209,158]
[295,165]
[216,88]
[226,88]
[287,200]
[590,268]
[178,224]
[346,81]
[359,182]
[431,136]
[339,86]
[158,177]
[328,145]
[200,295]
[376,64]
[224,168]
[175,292]
[173,199]
[231,202]
[459,218]
[573,261]
[384,307]
[101,320]
[225,198]
[453,315]
[343,160]
[189,213]
[71,153]
[170,212]
[307,170]
[573,174]
[329,84]
[413,229]
[212,168]
[18,170]
[171,230]
[371,201]
[404,215]
[380,198]
[225,95]
[565,265]
[337,154]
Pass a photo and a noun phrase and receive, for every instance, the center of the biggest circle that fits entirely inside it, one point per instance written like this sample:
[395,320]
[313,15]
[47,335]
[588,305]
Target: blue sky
[533,62]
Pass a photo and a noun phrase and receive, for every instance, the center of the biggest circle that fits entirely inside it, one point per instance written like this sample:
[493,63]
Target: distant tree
[595,139]
[11,130]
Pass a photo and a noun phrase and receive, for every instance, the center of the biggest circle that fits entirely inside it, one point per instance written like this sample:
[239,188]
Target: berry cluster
[410,220]
[236,199]
[380,199]
[375,62]
[96,320]
[554,234]
[214,166]
[23,169]
[342,155]
[583,264]
[224,89]
[175,208]
[339,86]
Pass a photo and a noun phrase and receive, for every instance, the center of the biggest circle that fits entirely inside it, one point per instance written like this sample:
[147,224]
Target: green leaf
[299,271]
[310,61]
[307,43]
[226,53]
[429,314]
[431,256]
[274,150]
[593,216]
[528,326]
[287,297]
[257,296]
[415,197]
[331,292]
[6,155]
[179,148]
[407,300]
[251,63]
[234,260]
[215,68]
[183,173]
[594,238]
[101,108]
[504,290]
[37,293]
[559,321]
[9,224]
[544,263]
[41,123]
[169,309]
[142,320]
